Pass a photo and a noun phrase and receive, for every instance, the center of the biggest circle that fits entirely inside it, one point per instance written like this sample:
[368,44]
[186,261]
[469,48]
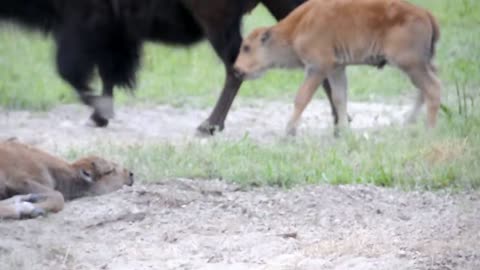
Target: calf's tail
[435,33]
[435,37]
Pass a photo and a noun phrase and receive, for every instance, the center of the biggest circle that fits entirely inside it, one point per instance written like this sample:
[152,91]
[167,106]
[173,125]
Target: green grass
[411,158]
[446,158]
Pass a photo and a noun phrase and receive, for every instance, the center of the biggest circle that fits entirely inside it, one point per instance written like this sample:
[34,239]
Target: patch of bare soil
[65,125]
[187,224]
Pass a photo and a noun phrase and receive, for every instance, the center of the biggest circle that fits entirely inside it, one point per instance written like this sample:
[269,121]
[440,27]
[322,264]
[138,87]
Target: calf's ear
[266,36]
[86,176]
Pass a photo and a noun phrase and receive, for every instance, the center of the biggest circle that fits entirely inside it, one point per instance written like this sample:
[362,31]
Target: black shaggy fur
[108,35]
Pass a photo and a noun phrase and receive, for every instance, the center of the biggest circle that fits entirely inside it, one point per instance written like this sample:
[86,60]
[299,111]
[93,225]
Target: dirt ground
[67,125]
[209,224]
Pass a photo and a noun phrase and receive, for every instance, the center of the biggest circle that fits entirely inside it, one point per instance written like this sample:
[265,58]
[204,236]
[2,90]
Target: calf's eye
[246,48]
[109,172]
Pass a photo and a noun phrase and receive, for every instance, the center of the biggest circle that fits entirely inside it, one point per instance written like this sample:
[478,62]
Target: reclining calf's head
[102,176]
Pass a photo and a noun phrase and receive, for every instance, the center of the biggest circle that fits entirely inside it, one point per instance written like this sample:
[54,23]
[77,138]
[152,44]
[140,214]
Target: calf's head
[102,176]
[263,49]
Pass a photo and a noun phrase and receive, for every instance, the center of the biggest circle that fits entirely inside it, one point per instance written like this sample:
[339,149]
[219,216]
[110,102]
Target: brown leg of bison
[226,39]
[216,121]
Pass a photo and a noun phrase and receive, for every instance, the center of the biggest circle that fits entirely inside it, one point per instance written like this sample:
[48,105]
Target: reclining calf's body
[33,182]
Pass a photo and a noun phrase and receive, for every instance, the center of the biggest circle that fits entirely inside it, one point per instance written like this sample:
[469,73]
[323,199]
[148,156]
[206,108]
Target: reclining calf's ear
[86,176]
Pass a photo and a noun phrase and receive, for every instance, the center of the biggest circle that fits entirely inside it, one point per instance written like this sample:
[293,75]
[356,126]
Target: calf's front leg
[34,200]
[20,206]
[8,210]
[313,79]
[52,201]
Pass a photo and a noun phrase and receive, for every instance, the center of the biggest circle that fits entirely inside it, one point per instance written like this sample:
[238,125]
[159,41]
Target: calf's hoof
[37,212]
[207,129]
[341,131]
[291,132]
[27,209]
[291,128]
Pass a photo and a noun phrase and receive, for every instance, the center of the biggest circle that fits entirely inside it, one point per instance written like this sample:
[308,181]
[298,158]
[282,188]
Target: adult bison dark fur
[108,35]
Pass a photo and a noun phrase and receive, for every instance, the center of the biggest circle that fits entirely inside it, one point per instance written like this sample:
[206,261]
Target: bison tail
[435,33]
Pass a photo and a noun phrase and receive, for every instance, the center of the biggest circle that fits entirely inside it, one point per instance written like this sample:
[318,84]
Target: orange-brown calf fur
[325,36]
[33,182]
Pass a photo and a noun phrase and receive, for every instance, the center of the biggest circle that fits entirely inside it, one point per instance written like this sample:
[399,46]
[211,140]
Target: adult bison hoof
[102,109]
[98,120]
[208,129]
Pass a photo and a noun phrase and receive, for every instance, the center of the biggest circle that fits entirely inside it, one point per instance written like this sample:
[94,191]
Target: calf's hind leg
[413,115]
[33,200]
[328,91]
[427,82]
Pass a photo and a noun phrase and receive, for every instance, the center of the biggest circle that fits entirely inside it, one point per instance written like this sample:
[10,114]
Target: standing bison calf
[33,182]
[324,36]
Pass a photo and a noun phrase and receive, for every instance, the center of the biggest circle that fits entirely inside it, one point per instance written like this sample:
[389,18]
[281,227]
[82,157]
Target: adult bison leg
[117,64]
[75,65]
[97,117]
[216,121]
[226,44]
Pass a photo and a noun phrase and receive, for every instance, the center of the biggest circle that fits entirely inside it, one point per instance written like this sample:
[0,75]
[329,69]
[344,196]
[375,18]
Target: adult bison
[108,35]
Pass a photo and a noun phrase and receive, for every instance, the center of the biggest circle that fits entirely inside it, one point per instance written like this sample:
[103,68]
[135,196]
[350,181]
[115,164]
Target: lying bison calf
[33,182]
[324,36]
